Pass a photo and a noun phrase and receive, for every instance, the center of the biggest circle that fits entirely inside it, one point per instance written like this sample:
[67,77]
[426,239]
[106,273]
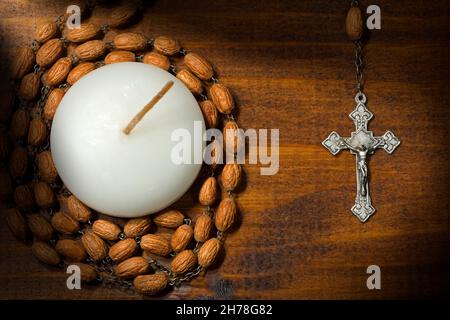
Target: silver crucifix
[362,143]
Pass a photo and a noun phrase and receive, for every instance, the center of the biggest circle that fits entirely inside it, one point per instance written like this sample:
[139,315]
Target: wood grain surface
[290,67]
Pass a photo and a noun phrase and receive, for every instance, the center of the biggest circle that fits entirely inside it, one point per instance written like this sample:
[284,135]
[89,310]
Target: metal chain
[359,64]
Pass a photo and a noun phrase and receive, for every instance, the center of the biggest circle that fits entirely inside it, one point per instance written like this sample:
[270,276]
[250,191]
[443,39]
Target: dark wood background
[290,67]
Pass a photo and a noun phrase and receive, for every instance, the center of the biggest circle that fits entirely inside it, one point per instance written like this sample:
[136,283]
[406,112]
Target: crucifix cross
[362,143]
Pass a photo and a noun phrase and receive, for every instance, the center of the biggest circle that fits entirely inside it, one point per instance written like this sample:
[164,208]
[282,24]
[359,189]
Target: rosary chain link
[359,64]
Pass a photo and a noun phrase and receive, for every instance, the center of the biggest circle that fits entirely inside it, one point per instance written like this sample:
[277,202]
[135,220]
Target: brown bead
[156,59]
[58,72]
[23,197]
[122,250]
[192,82]
[156,244]
[88,273]
[234,139]
[106,230]
[199,66]
[19,123]
[181,237]
[43,195]
[52,103]
[49,52]
[22,63]
[45,253]
[137,227]
[231,176]
[354,24]
[37,132]
[203,227]
[64,223]
[46,31]
[151,284]
[78,210]
[222,98]
[79,71]
[130,41]
[183,262]
[96,248]
[208,192]
[132,267]
[40,227]
[46,167]
[226,214]
[85,32]
[169,219]
[210,113]
[30,86]
[208,252]
[73,250]
[18,162]
[16,223]
[166,46]
[120,56]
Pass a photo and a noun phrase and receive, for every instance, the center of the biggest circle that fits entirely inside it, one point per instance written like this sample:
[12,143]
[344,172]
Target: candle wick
[147,108]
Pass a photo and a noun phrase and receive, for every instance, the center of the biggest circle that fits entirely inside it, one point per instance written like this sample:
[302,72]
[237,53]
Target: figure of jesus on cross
[362,143]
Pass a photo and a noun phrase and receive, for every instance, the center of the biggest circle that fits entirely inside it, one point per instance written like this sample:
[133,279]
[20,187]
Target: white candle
[112,172]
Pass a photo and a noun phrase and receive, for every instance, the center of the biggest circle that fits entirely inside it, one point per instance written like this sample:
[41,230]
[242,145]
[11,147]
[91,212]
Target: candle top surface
[114,173]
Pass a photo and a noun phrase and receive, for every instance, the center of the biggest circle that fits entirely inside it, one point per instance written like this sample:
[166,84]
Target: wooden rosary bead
[30,86]
[156,244]
[20,121]
[18,162]
[226,214]
[130,41]
[231,176]
[78,210]
[169,219]
[46,167]
[354,24]
[199,66]
[95,247]
[122,15]
[203,227]
[137,227]
[6,186]
[88,273]
[181,237]
[183,262]
[151,284]
[72,250]
[208,252]
[86,31]
[106,230]
[210,113]
[54,98]
[166,45]
[156,59]
[5,145]
[16,223]
[208,192]
[90,50]
[234,139]
[122,250]
[45,253]
[214,154]
[23,197]
[46,31]
[58,72]
[192,82]
[132,267]
[79,71]
[37,132]
[40,227]
[22,62]
[43,195]
[49,52]
[222,98]
[120,56]
[64,223]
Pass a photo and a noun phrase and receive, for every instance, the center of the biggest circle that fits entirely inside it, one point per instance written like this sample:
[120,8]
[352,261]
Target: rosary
[146,254]
[361,142]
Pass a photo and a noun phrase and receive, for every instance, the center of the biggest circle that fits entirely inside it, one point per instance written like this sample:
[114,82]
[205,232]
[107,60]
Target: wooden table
[290,67]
